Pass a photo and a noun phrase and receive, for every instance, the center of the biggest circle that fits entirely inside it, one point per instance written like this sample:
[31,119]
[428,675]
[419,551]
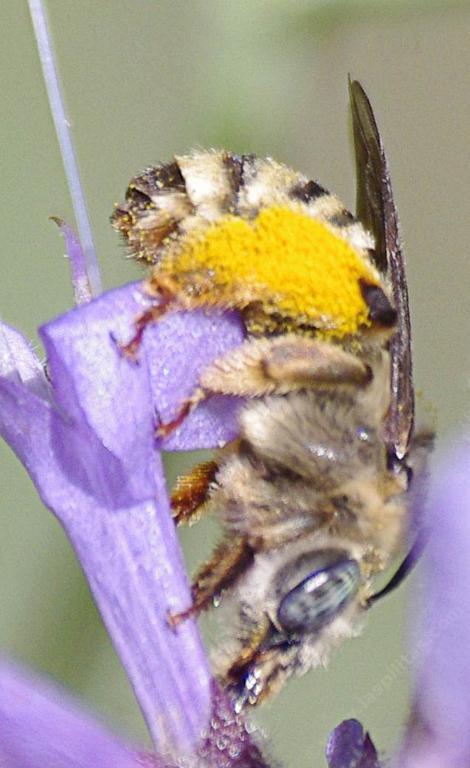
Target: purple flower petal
[439,733]
[175,350]
[191,342]
[227,742]
[42,728]
[132,561]
[92,456]
[349,746]
[81,284]
[19,364]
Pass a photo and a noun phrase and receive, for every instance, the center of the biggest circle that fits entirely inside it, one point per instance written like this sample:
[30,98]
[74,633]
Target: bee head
[311,601]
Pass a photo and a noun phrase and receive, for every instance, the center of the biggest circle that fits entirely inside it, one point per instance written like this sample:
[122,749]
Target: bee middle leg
[229,561]
[190,492]
[274,366]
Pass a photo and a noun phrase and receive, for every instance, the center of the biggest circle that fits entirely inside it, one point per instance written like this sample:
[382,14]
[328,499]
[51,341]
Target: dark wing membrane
[376,210]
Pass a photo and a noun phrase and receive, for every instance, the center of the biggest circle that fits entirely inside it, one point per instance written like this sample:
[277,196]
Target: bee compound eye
[319,598]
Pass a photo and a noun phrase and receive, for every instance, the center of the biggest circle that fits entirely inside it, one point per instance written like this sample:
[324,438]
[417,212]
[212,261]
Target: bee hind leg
[279,365]
[282,364]
[229,561]
[198,396]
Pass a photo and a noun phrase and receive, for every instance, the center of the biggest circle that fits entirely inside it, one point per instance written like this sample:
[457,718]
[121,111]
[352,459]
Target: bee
[313,496]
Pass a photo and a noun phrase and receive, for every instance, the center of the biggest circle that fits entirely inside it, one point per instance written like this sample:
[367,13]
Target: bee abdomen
[200,188]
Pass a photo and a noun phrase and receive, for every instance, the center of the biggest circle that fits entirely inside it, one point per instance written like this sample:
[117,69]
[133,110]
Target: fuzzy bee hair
[313,497]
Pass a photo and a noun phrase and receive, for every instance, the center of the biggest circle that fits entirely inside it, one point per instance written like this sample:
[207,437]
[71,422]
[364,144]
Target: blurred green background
[147,79]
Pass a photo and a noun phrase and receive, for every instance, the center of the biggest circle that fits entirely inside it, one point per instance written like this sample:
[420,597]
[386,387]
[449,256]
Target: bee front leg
[228,562]
[265,661]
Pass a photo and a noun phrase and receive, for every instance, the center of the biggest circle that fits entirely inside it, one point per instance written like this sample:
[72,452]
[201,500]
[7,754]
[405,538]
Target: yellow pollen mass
[293,264]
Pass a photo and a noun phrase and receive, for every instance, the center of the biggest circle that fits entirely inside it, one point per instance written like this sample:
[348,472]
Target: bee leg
[190,492]
[198,396]
[151,315]
[229,561]
[163,297]
[273,366]
[265,661]
[235,675]
[282,364]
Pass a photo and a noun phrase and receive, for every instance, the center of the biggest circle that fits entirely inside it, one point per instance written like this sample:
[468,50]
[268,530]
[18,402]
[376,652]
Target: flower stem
[62,125]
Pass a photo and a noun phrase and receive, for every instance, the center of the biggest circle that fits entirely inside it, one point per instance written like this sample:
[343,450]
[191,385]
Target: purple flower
[40,727]
[438,734]
[349,746]
[439,731]
[86,434]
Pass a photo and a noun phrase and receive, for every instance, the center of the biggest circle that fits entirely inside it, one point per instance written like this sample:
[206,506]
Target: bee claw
[175,619]
[129,350]
[242,695]
[164,430]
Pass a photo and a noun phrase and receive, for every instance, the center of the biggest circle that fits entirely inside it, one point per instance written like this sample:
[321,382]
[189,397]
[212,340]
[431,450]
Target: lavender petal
[349,746]
[134,570]
[92,456]
[132,560]
[25,426]
[228,742]
[439,733]
[191,342]
[175,350]
[19,364]
[80,282]
[40,726]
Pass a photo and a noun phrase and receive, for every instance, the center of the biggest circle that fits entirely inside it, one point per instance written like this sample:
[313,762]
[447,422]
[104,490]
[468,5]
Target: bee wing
[376,210]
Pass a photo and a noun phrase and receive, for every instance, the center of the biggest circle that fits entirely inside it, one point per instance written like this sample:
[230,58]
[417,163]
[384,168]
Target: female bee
[312,497]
